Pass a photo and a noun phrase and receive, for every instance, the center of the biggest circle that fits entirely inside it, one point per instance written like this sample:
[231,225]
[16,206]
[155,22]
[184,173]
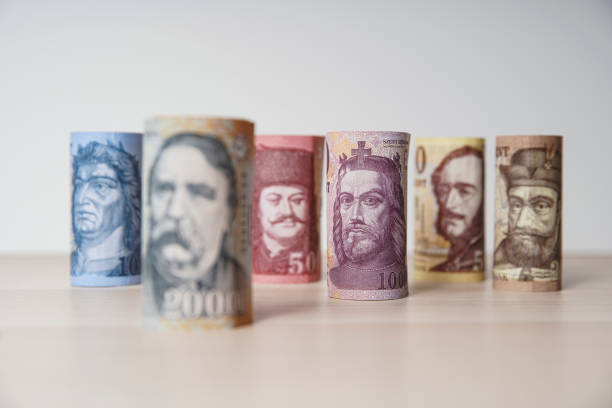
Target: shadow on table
[271,301]
[268,311]
[420,287]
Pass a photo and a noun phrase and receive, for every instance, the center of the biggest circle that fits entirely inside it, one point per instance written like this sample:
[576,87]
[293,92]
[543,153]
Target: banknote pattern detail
[105,208]
[366,187]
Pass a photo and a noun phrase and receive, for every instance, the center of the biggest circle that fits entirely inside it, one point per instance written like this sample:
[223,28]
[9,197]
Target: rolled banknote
[105,203]
[528,213]
[366,216]
[286,208]
[449,210]
[196,226]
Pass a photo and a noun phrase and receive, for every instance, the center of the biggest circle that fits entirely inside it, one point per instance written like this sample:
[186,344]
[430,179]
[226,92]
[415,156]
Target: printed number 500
[297,263]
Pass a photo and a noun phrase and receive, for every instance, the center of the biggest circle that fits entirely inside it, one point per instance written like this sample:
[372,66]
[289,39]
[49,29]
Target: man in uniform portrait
[458,187]
[533,182]
[106,211]
[369,228]
[284,228]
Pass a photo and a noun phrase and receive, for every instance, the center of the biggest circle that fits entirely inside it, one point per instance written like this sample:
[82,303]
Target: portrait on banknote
[285,229]
[449,209]
[368,219]
[458,186]
[105,209]
[192,198]
[528,209]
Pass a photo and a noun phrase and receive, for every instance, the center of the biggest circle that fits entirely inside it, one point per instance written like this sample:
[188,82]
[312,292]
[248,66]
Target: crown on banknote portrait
[363,159]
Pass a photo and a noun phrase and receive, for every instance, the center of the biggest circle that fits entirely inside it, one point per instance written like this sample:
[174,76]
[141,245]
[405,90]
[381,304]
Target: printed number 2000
[300,264]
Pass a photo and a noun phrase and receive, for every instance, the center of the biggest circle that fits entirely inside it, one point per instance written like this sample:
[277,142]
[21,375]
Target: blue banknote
[106,206]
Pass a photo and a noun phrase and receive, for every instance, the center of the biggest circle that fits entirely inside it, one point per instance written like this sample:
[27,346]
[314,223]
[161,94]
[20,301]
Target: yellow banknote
[449,215]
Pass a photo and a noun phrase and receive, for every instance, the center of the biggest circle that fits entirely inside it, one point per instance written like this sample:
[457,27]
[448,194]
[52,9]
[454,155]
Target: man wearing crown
[369,228]
[533,182]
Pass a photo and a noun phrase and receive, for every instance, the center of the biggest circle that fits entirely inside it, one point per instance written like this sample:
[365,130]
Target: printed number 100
[393,281]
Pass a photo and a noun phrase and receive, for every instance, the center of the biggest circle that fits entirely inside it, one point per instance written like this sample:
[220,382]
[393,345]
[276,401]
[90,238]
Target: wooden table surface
[444,346]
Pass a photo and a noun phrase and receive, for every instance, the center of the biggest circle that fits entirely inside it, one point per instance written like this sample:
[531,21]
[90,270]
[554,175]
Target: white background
[445,68]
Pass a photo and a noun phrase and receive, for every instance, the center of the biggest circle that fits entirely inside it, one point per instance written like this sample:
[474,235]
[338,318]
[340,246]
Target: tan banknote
[197,178]
[528,202]
[449,209]
[366,216]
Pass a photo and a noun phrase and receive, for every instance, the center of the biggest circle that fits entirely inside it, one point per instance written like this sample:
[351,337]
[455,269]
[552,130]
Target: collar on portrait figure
[276,247]
[459,250]
[475,238]
[109,244]
[97,237]
[471,241]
